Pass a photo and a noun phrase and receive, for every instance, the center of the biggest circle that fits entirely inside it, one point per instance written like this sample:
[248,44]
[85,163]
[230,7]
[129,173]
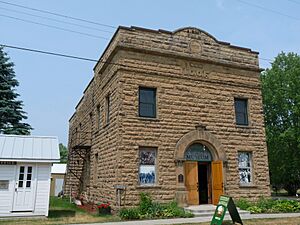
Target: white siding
[7,172]
[42,189]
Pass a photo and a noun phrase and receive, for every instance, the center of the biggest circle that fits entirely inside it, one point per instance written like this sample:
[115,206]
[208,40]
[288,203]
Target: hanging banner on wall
[226,203]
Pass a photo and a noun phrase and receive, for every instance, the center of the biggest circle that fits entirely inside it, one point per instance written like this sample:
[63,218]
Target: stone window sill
[148,118]
[243,126]
[149,187]
[248,186]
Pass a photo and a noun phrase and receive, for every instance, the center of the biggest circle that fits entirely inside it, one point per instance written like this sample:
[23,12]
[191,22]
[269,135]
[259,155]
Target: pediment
[195,33]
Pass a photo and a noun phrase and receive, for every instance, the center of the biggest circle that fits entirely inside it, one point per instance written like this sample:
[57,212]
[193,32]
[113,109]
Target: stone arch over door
[196,136]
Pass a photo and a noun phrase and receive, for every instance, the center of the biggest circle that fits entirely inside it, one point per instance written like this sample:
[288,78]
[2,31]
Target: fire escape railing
[79,146]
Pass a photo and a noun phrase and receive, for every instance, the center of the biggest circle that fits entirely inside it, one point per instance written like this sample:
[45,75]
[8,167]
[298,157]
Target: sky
[50,87]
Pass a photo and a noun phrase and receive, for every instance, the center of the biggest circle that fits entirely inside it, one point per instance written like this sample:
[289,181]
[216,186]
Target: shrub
[243,204]
[286,206]
[129,214]
[148,209]
[145,203]
[264,205]
[254,209]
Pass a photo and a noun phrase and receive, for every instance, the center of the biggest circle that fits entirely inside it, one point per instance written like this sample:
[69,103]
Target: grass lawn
[281,221]
[62,212]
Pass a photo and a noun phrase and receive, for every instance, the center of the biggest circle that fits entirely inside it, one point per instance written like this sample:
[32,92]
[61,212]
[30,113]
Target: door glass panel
[28,184]
[20,184]
[29,176]
[29,169]
[21,176]
[22,169]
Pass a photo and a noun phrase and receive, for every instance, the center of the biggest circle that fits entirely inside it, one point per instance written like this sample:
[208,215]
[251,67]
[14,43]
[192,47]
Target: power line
[60,21]
[49,53]
[265,59]
[57,14]
[72,56]
[269,10]
[55,27]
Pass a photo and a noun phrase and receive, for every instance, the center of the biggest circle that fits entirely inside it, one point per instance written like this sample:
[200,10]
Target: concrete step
[209,210]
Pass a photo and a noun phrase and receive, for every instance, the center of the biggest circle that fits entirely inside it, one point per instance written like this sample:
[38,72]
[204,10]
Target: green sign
[226,202]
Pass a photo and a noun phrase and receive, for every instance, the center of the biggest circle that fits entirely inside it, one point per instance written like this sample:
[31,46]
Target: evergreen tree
[11,113]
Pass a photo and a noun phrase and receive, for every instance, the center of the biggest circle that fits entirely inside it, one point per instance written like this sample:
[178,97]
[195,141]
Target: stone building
[175,114]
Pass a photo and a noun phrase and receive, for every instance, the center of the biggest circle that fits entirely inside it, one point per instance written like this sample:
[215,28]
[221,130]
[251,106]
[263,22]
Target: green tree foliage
[11,113]
[63,153]
[281,98]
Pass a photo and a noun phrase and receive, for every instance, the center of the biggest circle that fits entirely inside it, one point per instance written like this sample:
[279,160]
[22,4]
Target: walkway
[196,219]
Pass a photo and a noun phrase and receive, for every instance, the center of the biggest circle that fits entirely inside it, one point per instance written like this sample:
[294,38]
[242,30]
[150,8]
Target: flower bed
[148,209]
[269,206]
[104,208]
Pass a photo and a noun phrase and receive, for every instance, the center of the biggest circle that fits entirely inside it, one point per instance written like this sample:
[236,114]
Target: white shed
[58,173]
[25,170]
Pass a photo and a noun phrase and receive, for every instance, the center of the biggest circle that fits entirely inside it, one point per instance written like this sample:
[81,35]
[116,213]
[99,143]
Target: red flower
[103,205]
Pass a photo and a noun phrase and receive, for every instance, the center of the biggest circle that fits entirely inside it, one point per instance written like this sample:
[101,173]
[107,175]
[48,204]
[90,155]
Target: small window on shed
[4,184]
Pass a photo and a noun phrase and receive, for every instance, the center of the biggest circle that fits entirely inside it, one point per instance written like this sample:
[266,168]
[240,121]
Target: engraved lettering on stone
[194,69]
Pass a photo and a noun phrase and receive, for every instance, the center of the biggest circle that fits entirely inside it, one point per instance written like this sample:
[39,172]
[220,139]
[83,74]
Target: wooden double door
[203,181]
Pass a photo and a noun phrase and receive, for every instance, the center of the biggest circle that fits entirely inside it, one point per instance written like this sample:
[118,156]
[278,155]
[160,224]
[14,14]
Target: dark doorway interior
[203,182]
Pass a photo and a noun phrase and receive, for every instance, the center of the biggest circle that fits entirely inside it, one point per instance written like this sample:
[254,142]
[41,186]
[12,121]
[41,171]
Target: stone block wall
[197,79]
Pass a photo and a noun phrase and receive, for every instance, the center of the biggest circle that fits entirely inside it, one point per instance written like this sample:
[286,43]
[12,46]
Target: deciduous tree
[63,153]
[281,98]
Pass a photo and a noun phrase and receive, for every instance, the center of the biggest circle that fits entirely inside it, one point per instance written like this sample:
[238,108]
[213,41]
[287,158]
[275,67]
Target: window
[21,176]
[96,169]
[241,112]
[147,102]
[98,117]
[25,177]
[29,177]
[245,167]
[147,170]
[107,102]
[4,184]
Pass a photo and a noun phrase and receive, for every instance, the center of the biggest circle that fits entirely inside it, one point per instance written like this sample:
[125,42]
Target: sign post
[226,202]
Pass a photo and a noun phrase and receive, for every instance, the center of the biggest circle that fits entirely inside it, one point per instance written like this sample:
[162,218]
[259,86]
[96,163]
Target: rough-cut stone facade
[196,78]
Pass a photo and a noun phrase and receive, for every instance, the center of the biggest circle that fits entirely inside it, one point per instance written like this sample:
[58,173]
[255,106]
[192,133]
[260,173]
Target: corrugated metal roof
[59,168]
[29,148]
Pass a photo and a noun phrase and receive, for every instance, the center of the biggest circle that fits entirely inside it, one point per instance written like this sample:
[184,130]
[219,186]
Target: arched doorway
[200,158]
[197,169]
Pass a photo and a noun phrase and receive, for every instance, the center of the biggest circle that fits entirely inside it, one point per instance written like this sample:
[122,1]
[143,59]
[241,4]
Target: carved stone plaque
[195,46]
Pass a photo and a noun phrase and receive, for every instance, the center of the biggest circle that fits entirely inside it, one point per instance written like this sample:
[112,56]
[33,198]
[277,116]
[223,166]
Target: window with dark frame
[107,101]
[147,166]
[241,111]
[98,117]
[96,168]
[147,102]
